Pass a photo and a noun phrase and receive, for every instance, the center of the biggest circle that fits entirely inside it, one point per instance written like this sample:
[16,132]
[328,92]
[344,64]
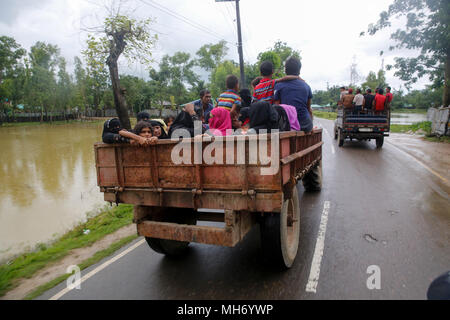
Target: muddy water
[47,183]
[407,118]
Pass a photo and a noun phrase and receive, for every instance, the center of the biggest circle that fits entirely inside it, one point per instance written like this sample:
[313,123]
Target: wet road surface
[386,210]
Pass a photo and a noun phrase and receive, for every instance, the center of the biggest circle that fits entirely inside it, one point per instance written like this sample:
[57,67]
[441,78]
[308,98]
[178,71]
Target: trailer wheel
[312,181]
[174,215]
[340,138]
[280,233]
[380,142]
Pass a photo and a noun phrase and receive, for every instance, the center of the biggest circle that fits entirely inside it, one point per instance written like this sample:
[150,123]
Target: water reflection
[47,182]
[407,118]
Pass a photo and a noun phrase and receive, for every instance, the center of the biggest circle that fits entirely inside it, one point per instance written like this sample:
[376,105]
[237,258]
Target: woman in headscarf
[283,120]
[292,116]
[159,128]
[114,133]
[219,122]
[185,120]
[263,117]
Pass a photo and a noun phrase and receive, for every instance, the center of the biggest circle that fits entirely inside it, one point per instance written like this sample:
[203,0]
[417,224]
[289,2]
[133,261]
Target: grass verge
[85,264]
[425,126]
[325,115]
[444,139]
[28,264]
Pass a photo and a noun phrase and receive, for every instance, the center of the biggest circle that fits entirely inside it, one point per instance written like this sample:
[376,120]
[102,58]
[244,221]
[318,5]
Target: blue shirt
[295,93]
[198,106]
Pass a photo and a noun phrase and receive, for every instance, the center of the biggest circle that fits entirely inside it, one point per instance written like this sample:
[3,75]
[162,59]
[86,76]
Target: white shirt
[358,100]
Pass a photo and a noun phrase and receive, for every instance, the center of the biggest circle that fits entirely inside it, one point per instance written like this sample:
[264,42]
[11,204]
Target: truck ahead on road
[168,198]
[366,125]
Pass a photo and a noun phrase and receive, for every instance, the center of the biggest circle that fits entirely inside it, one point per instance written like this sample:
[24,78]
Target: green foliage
[219,75]
[10,55]
[211,55]
[326,97]
[374,81]
[427,29]
[273,57]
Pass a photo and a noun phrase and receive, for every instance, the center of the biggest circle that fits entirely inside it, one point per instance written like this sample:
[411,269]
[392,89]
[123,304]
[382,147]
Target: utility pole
[240,51]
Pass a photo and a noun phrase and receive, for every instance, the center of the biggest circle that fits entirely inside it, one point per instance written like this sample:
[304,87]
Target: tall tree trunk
[116,49]
[446,96]
[119,99]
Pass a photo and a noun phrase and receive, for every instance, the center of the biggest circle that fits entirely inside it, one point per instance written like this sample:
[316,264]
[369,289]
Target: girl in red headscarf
[220,122]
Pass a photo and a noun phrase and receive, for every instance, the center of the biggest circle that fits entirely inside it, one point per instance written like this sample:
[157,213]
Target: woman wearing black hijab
[114,133]
[185,120]
[283,119]
[263,117]
[158,130]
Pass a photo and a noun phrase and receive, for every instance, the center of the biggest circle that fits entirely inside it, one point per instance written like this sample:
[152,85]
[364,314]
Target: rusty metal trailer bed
[167,196]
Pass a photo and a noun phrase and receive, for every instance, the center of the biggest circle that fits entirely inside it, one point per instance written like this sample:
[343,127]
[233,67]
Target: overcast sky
[325,31]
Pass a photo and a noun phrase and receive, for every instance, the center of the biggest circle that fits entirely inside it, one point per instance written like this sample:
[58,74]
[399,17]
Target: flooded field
[407,118]
[48,183]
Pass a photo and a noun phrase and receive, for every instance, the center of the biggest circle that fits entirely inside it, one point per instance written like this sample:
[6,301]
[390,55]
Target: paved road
[386,210]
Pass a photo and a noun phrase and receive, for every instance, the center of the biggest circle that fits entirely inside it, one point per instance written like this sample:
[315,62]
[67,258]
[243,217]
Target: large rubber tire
[380,142]
[312,181]
[174,215]
[279,238]
[335,133]
[340,138]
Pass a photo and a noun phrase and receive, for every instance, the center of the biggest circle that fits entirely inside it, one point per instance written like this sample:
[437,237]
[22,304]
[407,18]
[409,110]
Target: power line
[183,19]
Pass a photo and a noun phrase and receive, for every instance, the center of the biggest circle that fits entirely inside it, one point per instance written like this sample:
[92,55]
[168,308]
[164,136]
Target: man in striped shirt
[230,99]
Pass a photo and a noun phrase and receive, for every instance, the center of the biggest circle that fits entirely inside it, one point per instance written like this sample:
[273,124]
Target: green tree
[11,54]
[427,29]
[42,84]
[219,75]
[211,55]
[374,81]
[122,36]
[273,57]
[64,88]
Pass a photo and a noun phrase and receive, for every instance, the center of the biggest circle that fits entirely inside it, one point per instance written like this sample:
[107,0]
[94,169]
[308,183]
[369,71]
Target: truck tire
[335,133]
[380,142]
[340,138]
[280,233]
[174,215]
[312,181]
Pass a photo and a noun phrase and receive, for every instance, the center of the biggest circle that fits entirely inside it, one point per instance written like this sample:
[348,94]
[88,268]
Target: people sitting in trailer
[230,99]
[185,120]
[347,100]
[220,122]
[283,119]
[368,100]
[145,130]
[114,133]
[203,106]
[379,101]
[292,116]
[143,116]
[389,98]
[265,88]
[263,117]
[168,121]
[358,102]
[159,128]
[296,93]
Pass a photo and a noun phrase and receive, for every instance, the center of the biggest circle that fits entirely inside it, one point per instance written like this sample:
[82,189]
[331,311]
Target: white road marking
[422,164]
[333,150]
[314,274]
[98,269]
